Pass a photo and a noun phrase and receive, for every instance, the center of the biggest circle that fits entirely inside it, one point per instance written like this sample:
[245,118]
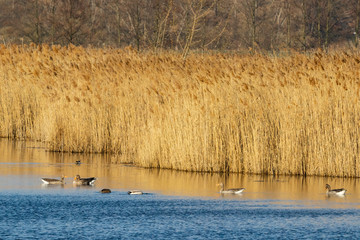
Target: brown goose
[231,190]
[340,191]
[105,190]
[84,181]
[53,180]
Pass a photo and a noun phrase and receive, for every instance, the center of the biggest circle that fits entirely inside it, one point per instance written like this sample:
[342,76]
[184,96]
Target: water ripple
[89,215]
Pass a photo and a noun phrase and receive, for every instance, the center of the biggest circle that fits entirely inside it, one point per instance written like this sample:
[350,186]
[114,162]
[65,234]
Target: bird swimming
[105,190]
[135,192]
[84,181]
[231,190]
[340,191]
[54,180]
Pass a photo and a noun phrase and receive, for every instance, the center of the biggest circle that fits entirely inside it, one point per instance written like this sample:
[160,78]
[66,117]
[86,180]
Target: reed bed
[296,114]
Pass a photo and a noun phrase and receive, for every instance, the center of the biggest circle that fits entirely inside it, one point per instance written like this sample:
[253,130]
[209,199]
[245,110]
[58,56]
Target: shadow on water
[22,164]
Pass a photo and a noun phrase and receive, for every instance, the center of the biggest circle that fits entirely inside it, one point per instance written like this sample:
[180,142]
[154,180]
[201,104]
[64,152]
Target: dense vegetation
[295,114]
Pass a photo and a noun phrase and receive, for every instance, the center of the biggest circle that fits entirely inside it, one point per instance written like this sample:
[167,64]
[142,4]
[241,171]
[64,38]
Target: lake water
[178,205]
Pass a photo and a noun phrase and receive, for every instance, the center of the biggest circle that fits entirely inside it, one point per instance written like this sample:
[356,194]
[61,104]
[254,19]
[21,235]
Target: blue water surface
[78,213]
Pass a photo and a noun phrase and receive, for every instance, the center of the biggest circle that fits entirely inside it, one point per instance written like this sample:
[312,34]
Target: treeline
[183,24]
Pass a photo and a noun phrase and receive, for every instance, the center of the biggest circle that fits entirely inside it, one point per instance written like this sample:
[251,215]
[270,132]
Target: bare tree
[215,26]
[357,22]
[329,17]
[73,20]
[288,18]
[198,9]
[163,10]
[50,8]
[31,21]
[255,16]
[354,14]
[115,9]
[303,7]
[135,20]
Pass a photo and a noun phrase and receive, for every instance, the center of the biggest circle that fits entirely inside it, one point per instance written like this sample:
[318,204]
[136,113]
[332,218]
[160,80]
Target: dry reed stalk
[297,114]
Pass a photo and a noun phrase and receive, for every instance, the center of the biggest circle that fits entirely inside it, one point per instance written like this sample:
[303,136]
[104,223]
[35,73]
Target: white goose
[135,192]
[231,190]
[340,191]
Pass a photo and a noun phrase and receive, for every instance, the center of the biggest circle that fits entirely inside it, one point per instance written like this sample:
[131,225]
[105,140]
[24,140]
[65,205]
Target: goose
[231,190]
[84,181]
[135,192]
[53,180]
[340,191]
[105,190]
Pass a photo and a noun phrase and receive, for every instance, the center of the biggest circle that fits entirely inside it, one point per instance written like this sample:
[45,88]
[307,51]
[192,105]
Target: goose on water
[54,180]
[340,191]
[231,190]
[135,192]
[105,190]
[84,181]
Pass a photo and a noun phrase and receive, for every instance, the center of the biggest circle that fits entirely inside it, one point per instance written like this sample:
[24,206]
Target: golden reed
[297,114]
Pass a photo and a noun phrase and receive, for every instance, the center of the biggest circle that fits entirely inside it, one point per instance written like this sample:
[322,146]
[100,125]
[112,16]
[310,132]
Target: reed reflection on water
[22,165]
